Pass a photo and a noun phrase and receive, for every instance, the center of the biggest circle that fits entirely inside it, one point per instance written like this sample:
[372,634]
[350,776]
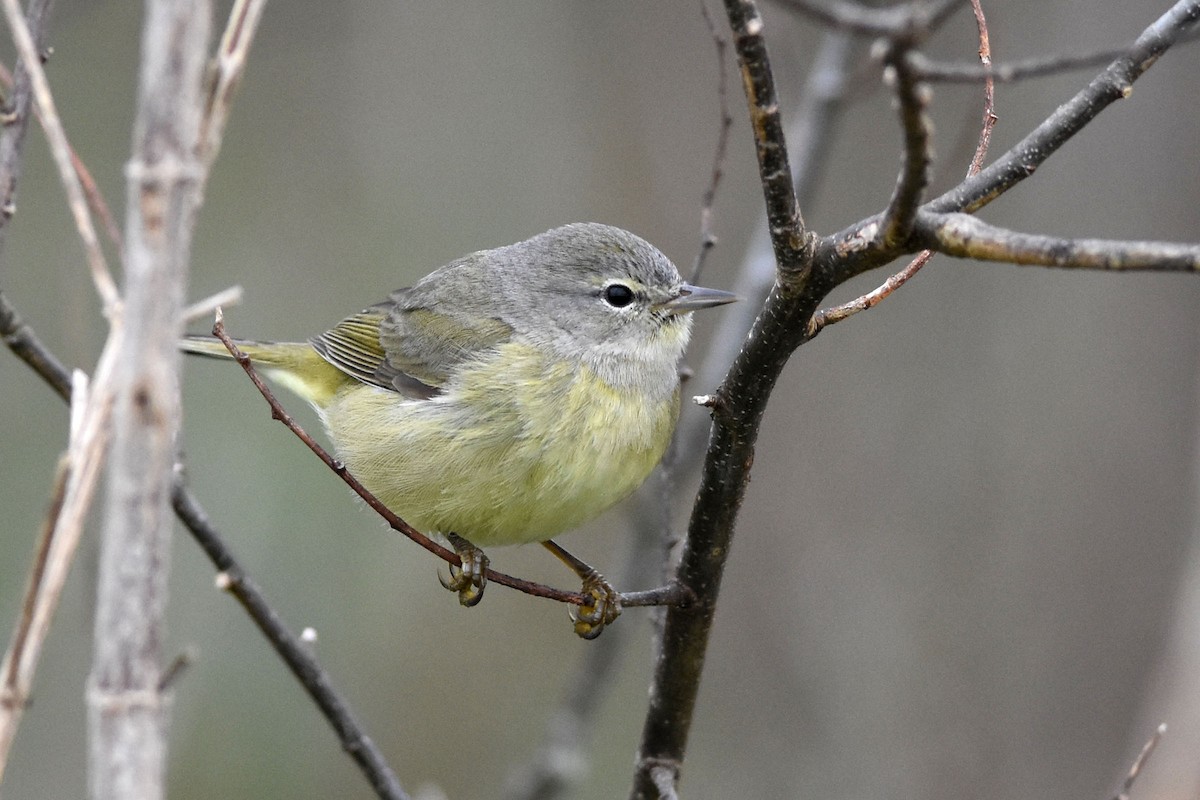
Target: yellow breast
[518,448]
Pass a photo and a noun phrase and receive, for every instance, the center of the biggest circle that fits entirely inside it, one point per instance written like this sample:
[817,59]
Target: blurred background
[965,562]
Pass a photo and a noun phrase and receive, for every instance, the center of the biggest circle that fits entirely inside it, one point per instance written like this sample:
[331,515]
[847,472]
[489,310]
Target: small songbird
[508,396]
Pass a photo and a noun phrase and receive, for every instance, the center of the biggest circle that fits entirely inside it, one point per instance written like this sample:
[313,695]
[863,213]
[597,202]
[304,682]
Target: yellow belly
[505,455]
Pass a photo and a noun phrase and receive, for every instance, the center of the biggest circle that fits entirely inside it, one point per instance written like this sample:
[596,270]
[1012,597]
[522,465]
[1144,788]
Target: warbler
[508,396]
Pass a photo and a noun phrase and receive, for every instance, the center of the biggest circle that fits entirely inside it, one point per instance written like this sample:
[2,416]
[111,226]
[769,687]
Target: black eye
[617,295]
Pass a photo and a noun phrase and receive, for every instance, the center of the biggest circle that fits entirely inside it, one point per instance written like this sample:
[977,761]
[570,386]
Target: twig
[865,20]
[24,343]
[16,678]
[80,472]
[95,198]
[1009,72]
[228,66]
[16,118]
[61,150]
[1139,763]
[914,98]
[1113,84]
[707,238]
[737,414]
[208,306]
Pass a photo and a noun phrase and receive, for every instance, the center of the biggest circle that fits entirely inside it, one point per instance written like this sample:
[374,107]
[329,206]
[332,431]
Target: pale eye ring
[617,295]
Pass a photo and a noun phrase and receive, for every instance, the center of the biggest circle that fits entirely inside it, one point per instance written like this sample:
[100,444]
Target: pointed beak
[693,298]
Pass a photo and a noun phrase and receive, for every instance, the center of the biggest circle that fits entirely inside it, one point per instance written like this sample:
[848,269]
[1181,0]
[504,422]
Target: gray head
[595,289]
[586,292]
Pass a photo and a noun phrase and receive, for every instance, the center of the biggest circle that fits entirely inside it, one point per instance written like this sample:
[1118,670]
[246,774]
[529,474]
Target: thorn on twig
[177,667]
[223,581]
[707,400]
[1140,762]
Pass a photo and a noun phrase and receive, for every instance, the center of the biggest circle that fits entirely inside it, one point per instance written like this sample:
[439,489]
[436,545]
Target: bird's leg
[470,579]
[604,604]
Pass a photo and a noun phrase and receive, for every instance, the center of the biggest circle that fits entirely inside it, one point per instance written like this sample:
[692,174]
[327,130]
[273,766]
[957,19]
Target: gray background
[971,509]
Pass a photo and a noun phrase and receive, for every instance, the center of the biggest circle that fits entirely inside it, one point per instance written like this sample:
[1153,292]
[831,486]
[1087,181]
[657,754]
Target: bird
[506,397]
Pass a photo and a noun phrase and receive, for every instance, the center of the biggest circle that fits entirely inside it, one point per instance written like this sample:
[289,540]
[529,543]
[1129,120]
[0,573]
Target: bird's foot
[601,608]
[469,579]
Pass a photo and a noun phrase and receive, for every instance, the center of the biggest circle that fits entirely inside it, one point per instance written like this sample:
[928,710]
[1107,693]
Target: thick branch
[127,710]
[789,237]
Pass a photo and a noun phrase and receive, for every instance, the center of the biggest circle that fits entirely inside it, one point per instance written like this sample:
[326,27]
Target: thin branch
[1139,763]
[914,98]
[1009,72]
[864,20]
[91,191]
[61,150]
[86,450]
[834,314]
[16,118]
[24,343]
[228,66]
[707,238]
[1114,83]
[16,672]
[297,657]
[966,236]
[208,306]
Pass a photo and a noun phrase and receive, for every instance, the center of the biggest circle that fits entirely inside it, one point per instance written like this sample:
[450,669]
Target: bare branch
[790,238]
[829,316]
[1115,83]
[900,21]
[810,132]
[966,236]
[707,238]
[61,150]
[16,118]
[914,98]
[1040,67]
[209,305]
[228,66]
[127,709]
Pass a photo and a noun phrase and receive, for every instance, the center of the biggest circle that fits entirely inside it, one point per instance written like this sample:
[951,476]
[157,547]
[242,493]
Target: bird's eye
[617,295]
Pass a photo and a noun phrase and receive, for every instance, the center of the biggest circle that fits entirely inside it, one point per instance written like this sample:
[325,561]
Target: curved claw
[470,579]
[604,606]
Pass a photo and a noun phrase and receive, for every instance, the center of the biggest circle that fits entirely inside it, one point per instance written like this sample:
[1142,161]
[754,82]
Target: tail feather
[294,365]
